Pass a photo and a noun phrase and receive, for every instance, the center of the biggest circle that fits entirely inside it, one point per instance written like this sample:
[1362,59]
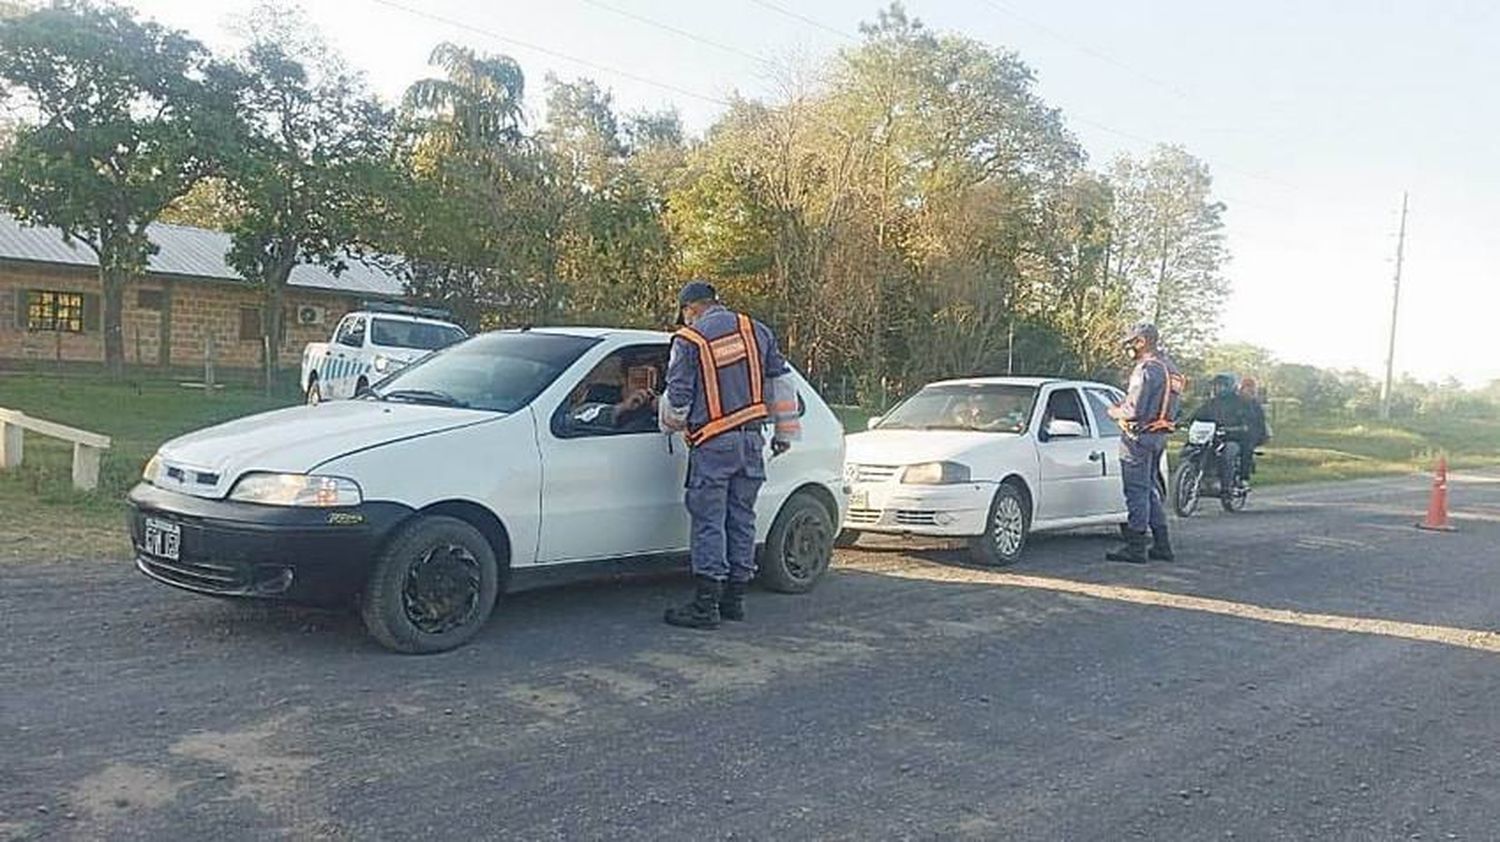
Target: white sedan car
[991,460]
[488,466]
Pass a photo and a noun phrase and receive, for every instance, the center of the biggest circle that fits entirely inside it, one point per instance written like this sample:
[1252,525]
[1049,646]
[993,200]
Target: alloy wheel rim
[1010,526]
[441,590]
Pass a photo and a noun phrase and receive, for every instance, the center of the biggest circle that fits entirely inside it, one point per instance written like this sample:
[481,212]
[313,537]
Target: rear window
[426,336]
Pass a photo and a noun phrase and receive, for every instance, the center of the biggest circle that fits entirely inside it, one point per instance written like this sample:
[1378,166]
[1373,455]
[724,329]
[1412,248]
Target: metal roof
[190,253]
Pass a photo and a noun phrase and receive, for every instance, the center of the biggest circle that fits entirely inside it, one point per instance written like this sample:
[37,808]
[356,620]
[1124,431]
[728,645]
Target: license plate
[163,539]
[859,499]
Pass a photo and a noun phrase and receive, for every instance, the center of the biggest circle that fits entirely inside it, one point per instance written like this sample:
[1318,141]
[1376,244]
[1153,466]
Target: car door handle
[1096,456]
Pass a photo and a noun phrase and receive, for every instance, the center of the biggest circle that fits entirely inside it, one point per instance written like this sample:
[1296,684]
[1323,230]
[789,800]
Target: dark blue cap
[696,291]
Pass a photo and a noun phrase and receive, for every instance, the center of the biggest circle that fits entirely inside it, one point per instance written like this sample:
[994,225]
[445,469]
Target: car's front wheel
[433,587]
[1006,530]
[799,547]
[314,393]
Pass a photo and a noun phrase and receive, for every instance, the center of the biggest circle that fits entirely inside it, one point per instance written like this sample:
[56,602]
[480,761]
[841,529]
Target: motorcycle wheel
[1187,487]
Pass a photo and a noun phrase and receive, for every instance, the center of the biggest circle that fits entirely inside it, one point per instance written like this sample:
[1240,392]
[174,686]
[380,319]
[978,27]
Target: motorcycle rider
[1226,408]
[1255,417]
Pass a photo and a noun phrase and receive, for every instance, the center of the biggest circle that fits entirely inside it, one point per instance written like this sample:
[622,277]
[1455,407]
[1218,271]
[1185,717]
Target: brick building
[189,298]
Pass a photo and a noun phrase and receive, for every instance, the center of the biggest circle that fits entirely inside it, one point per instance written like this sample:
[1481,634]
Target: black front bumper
[308,555]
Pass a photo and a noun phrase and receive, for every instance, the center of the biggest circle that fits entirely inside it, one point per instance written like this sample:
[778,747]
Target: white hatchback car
[991,460]
[462,476]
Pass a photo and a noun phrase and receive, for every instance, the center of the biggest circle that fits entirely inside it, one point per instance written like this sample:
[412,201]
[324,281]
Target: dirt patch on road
[120,788]
[261,772]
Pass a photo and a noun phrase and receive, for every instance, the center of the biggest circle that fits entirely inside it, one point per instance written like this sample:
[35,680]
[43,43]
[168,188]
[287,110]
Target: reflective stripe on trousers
[724,478]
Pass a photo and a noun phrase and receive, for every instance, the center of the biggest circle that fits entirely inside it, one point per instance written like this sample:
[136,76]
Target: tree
[315,153]
[129,116]
[472,191]
[211,203]
[475,106]
[612,257]
[1168,245]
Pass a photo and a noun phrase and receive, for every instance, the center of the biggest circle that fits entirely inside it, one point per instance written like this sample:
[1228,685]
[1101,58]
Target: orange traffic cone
[1437,504]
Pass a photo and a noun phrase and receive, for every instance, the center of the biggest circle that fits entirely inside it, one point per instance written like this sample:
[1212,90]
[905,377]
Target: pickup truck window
[352,332]
[426,336]
[501,372]
[983,407]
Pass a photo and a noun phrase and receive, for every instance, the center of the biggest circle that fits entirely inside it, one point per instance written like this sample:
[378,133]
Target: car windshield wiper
[430,396]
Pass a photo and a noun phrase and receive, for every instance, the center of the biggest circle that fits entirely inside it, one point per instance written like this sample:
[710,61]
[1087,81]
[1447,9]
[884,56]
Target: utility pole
[1390,354]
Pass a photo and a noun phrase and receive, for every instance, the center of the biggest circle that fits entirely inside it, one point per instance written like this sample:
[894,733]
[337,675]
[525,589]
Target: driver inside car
[606,401]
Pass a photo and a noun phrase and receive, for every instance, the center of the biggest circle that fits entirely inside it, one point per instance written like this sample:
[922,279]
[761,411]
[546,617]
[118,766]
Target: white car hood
[206,463]
[911,447]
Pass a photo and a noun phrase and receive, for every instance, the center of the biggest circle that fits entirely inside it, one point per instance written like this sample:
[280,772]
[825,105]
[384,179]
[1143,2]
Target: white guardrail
[88,447]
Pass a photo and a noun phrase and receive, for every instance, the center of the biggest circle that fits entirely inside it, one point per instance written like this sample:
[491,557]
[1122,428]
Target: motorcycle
[1198,471]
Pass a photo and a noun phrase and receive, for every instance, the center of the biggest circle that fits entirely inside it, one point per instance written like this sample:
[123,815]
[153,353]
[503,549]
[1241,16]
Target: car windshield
[427,336]
[983,407]
[501,371]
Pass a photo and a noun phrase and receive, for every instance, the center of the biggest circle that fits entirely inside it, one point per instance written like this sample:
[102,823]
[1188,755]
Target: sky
[1314,116]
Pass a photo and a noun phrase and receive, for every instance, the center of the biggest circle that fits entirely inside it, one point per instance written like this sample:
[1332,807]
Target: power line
[780,10]
[604,68]
[1085,49]
[678,31]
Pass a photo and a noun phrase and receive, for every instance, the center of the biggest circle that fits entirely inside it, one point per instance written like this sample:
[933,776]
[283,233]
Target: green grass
[44,515]
[1325,449]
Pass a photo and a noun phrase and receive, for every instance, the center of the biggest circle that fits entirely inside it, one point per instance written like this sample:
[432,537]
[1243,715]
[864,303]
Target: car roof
[1030,382]
[627,334]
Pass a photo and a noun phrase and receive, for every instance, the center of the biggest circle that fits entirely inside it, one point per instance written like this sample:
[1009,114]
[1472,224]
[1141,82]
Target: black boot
[1161,546]
[1134,550]
[732,603]
[703,611]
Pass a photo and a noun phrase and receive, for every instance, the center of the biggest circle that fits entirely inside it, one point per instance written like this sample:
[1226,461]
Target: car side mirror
[1061,428]
[873,422]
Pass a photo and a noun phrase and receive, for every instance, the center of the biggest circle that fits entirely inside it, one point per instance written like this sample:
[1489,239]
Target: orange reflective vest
[714,357]
[1172,387]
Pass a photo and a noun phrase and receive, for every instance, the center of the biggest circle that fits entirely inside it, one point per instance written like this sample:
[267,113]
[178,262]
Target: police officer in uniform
[725,380]
[1147,417]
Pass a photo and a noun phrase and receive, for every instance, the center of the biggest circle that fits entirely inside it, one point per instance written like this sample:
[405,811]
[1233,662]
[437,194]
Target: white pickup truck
[369,344]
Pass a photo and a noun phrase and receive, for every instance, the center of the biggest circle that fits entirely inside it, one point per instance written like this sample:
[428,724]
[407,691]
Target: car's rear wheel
[799,547]
[1006,530]
[433,587]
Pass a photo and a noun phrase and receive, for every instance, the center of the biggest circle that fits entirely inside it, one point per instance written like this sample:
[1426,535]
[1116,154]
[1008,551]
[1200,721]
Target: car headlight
[296,490]
[382,362]
[935,473]
[152,471]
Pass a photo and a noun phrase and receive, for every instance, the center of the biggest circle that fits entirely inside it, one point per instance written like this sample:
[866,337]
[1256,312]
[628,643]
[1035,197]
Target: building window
[250,324]
[54,311]
[149,299]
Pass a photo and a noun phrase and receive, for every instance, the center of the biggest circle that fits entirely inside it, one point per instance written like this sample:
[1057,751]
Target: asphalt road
[908,697]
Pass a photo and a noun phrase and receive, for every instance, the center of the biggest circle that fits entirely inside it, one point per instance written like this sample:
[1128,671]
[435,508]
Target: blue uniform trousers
[724,477]
[1139,458]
